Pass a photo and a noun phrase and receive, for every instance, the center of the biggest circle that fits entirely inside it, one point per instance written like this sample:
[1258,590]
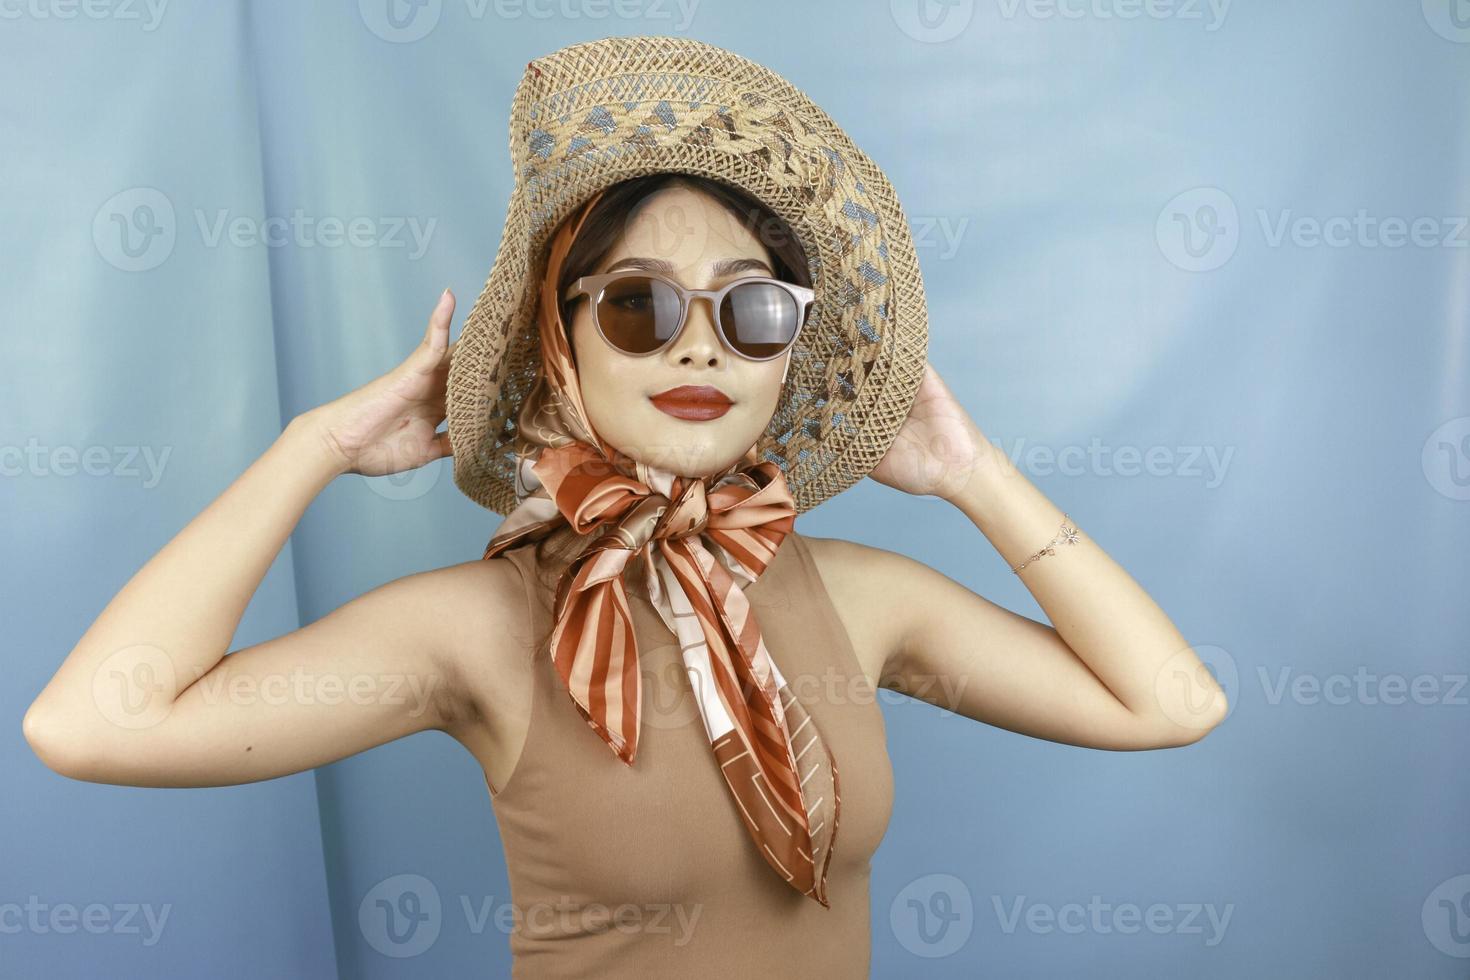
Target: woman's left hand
[937,447]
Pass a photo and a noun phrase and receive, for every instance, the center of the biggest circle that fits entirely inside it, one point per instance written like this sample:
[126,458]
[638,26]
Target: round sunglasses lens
[638,314]
[760,318]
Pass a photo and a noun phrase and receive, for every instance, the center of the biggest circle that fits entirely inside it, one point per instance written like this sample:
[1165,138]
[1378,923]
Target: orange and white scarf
[702,541]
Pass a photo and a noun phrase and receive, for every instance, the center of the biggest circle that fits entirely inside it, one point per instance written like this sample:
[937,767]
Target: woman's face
[688,236]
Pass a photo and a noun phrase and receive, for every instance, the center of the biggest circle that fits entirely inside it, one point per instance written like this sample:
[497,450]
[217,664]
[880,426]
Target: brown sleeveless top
[647,871]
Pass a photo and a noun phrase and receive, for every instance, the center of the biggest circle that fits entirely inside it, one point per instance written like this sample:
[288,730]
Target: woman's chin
[694,449]
[696,463]
[682,454]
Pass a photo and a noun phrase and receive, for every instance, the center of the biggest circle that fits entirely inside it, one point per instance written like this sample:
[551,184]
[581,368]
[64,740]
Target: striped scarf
[702,542]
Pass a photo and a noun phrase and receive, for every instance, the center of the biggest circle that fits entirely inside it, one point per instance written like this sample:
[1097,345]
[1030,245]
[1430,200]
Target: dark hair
[608,220]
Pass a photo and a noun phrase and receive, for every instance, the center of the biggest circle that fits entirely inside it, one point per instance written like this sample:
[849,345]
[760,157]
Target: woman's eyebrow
[722,268]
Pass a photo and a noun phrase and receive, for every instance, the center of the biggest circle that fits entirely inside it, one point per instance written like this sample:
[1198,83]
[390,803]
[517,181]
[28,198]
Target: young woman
[650,569]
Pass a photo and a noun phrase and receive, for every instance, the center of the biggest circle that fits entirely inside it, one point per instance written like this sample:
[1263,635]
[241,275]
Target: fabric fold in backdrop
[702,541]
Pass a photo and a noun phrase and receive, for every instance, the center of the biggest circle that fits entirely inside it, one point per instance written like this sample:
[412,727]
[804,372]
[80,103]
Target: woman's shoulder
[484,588]
[842,560]
[485,625]
[861,580]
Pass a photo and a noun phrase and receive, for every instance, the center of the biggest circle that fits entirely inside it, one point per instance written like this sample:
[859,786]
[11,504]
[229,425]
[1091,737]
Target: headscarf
[702,542]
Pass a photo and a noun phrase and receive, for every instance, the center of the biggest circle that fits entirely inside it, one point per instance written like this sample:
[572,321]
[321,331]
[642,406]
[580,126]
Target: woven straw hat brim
[593,114]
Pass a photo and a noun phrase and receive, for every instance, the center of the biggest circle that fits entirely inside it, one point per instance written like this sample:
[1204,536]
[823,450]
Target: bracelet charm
[1067,535]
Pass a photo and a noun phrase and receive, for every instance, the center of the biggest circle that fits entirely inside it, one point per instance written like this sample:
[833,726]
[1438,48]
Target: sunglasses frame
[593,286]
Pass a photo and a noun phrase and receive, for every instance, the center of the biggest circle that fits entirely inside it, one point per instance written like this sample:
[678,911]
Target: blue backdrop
[1202,268]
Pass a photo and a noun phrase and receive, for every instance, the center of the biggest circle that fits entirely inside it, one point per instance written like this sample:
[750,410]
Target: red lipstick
[695,403]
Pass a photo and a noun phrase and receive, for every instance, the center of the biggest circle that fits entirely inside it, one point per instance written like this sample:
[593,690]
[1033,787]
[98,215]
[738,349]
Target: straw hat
[594,114]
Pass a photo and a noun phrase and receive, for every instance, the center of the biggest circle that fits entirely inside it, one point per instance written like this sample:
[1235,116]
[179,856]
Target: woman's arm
[148,696]
[1111,672]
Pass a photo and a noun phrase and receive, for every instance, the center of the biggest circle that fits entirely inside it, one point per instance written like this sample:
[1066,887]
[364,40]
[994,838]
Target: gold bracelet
[1067,535]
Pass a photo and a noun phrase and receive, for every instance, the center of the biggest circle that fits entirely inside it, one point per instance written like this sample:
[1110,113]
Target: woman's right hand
[388,425]
[152,695]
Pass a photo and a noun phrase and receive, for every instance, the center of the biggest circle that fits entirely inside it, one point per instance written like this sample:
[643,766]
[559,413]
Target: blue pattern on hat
[857,212]
[599,116]
[542,143]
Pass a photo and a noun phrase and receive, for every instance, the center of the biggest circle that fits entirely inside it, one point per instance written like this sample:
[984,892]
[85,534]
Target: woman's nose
[698,342]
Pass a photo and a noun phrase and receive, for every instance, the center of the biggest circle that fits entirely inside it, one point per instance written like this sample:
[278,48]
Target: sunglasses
[641,313]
